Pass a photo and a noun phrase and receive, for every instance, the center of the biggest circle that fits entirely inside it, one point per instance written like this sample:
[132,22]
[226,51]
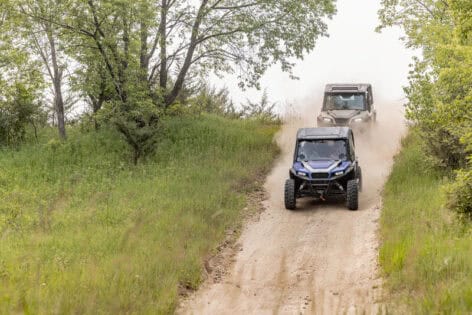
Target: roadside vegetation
[82,231]
[426,223]
[426,250]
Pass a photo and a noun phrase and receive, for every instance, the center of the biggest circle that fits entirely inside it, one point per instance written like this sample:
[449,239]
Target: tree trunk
[59,105]
[136,156]
[163,75]
[179,83]
[35,130]
[143,56]
[57,85]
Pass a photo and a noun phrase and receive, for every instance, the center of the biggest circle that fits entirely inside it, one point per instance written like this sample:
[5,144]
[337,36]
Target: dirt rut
[319,259]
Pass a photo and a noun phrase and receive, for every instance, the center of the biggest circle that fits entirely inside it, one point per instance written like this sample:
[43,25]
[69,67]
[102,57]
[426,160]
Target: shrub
[137,122]
[17,110]
[211,100]
[264,110]
[460,194]
[460,191]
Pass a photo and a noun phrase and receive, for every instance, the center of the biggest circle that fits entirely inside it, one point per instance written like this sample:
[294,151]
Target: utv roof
[340,87]
[323,133]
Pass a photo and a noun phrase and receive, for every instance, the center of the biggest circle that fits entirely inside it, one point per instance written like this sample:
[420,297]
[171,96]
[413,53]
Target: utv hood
[327,166]
[317,165]
[343,114]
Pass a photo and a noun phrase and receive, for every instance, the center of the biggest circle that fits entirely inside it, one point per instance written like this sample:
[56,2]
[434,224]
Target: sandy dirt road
[319,259]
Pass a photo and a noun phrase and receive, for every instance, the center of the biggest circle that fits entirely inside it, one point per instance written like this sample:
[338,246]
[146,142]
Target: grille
[342,121]
[319,175]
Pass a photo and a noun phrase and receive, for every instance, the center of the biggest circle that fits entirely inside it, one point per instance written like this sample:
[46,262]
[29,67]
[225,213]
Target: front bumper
[320,187]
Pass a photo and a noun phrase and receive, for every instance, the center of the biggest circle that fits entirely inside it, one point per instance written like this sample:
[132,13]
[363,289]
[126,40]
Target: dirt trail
[320,259]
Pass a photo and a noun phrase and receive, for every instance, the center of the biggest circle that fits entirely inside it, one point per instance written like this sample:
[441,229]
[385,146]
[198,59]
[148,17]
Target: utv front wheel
[352,194]
[290,200]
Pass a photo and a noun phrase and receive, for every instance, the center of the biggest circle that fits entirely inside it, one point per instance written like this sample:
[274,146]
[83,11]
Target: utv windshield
[344,101]
[314,150]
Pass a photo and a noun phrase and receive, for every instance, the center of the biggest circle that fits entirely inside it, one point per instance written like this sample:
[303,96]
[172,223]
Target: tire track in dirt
[319,259]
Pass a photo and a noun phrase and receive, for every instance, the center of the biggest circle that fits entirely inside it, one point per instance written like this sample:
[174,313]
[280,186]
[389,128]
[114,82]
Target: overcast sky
[353,52]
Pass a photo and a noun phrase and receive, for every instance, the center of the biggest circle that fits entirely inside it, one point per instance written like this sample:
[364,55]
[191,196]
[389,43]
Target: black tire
[352,195]
[290,199]
[359,177]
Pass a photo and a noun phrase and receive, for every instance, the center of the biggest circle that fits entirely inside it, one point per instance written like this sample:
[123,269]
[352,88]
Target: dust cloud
[319,259]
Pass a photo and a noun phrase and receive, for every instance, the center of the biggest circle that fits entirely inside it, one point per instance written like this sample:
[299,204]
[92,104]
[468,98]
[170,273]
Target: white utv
[349,105]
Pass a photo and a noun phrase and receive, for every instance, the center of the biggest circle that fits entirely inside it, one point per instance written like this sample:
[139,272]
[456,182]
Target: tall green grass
[426,252]
[83,231]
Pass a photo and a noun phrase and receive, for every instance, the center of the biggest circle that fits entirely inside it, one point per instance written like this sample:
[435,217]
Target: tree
[18,108]
[440,88]
[179,38]
[91,81]
[110,28]
[20,82]
[246,36]
[44,39]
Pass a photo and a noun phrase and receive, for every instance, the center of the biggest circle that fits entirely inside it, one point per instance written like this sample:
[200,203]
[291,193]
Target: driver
[307,151]
[339,103]
[332,150]
[302,151]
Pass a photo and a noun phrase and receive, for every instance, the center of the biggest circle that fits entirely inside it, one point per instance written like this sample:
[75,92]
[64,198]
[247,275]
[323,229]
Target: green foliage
[92,81]
[247,40]
[83,232]
[18,109]
[263,110]
[210,100]
[20,83]
[138,124]
[440,89]
[213,101]
[460,194]
[425,251]
[178,41]
[114,80]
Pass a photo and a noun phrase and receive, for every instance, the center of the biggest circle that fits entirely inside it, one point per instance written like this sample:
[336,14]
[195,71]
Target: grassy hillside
[84,232]
[426,253]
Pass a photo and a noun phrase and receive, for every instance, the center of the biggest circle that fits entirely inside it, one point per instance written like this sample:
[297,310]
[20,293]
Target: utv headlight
[339,173]
[302,174]
[356,120]
[326,119]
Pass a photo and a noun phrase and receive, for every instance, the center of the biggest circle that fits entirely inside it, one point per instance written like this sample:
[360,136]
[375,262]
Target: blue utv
[324,165]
